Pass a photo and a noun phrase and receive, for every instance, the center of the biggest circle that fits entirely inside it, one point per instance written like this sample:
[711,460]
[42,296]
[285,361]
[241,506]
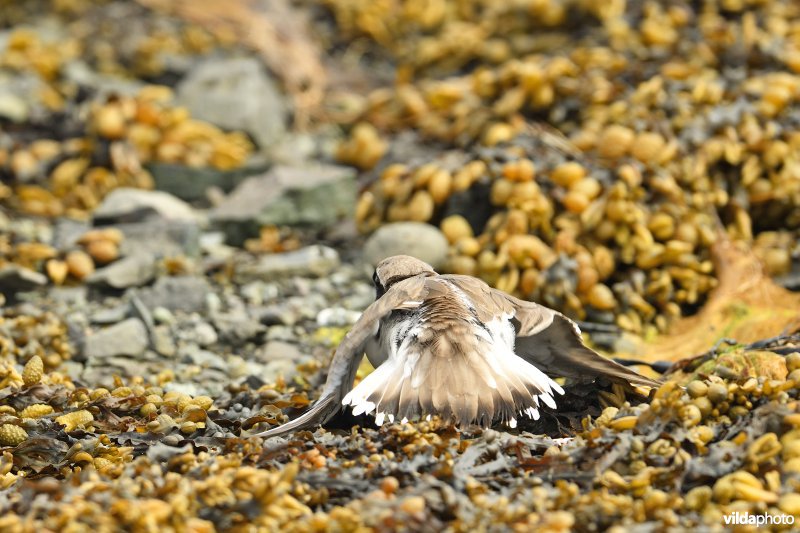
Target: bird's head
[397,268]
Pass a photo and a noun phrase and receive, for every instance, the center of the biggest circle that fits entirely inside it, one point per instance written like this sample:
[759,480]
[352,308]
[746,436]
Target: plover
[452,346]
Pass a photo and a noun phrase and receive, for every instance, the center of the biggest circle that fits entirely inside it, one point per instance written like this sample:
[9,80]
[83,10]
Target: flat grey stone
[132,205]
[190,183]
[14,278]
[237,328]
[70,296]
[163,342]
[162,315]
[313,196]
[161,239]
[316,260]
[280,368]
[203,358]
[200,333]
[177,293]
[236,94]
[274,350]
[416,239]
[132,271]
[127,338]
[67,231]
[111,315]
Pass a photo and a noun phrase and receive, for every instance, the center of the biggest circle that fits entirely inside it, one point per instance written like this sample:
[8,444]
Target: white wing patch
[495,346]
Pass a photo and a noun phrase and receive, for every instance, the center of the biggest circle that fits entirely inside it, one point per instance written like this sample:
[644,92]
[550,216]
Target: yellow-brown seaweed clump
[132,132]
[608,212]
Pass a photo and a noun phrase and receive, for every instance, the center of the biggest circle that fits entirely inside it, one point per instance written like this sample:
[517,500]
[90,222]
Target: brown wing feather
[547,339]
[552,342]
[348,355]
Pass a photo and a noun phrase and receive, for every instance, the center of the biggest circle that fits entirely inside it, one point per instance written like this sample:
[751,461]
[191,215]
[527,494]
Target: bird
[451,345]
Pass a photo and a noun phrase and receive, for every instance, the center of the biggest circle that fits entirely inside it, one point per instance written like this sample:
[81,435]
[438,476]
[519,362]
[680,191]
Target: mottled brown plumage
[452,346]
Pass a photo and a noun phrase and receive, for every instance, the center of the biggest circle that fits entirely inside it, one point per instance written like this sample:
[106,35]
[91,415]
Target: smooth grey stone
[276,349]
[161,239]
[177,293]
[203,358]
[237,328]
[236,94]
[315,260]
[134,205]
[314,196]
[132,271]
[128,338]
[14,278]
[162,315]
[191,184]
[112,315]
[163,342]
[423,241]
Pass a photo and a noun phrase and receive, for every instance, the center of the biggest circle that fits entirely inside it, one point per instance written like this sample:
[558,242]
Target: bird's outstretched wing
[547,339]
[405,294]
[551,341]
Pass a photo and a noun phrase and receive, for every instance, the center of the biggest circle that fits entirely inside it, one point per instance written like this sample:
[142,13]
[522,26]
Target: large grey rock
[134,205]
[127,338]
[14,278]
[177,293]
[422,241]
[235,94]
[189,183]
[314,196]
[132,271]
[313,260]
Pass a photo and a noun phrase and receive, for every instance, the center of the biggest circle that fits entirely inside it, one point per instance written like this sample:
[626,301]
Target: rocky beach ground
[193,195]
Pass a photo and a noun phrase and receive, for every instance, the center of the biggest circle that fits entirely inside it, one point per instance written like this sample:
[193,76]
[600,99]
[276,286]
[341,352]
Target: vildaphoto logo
[747,519]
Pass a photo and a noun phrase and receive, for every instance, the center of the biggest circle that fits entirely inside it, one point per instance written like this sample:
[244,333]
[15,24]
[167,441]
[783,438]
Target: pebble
[132,271]
[315,260]
[317,196]
[236,93]
[14,278]
[128,338]
[162,315]
[135,205]
[417,239]
[177,293]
